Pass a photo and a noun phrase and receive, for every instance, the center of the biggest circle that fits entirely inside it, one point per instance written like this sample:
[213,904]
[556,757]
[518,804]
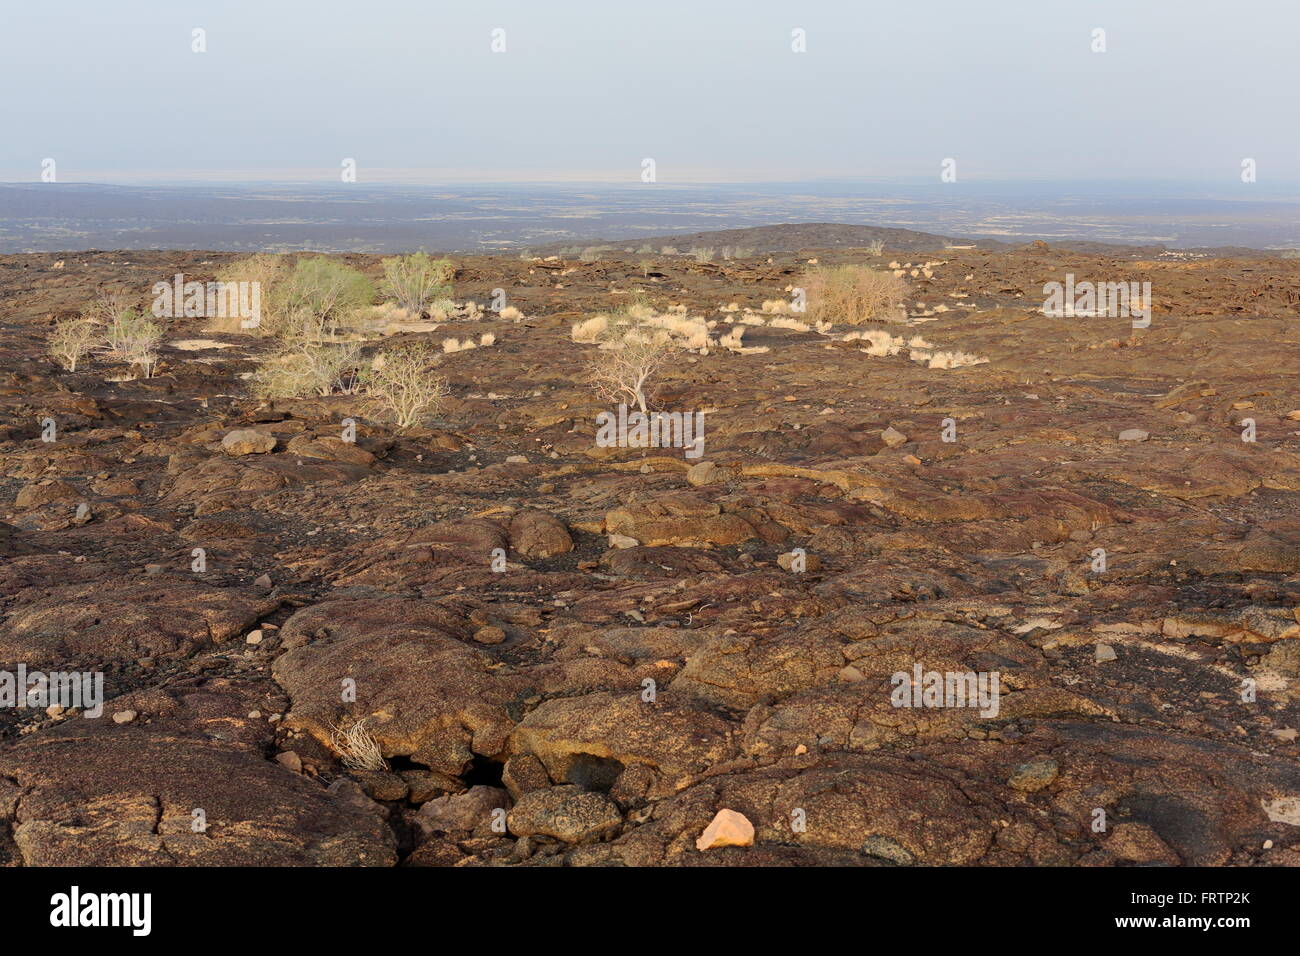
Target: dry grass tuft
[853,295]
[357,748]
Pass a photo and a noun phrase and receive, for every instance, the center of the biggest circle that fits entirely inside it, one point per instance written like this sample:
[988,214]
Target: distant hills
[801,236]
[790,237]
[379,218]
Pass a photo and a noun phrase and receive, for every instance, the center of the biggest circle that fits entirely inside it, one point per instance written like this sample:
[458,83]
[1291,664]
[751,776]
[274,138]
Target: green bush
[316,297]
[416,280]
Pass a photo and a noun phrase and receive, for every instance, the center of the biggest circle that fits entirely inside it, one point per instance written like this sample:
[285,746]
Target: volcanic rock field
[568,654]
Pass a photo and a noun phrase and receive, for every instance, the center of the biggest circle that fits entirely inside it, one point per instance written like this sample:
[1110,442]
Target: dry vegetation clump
[71,340]
[794,325]
[108,305]
[133,337]
[732,340]
[948,360]
[589,331]
[357,748]
[309,370]
[416,281]
[853,294]
[268,270]
[881,343]
[402,387]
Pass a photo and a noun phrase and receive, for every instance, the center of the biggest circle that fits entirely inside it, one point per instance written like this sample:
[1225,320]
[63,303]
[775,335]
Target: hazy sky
[710,89]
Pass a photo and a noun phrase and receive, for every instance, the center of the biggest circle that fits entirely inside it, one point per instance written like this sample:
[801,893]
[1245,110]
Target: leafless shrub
[71,340]
[630,353]
[108,305]
[402,386]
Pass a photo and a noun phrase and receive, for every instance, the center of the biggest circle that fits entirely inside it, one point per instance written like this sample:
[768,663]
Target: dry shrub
[307,371]
[403,387]
[133,337]
[948,360]
[732,340]
[268,271]
[590,331]
[630,353]
[71,340]
[853,294]
[794,325]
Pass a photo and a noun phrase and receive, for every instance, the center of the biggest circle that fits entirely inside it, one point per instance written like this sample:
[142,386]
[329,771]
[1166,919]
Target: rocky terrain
[649,661]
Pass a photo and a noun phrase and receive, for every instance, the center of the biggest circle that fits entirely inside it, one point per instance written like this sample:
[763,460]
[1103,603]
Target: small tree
[630,354]
[402,387]
[72,339]
[416,280]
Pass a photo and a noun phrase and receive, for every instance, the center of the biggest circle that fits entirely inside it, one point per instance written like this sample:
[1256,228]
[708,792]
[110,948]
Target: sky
[711,90]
